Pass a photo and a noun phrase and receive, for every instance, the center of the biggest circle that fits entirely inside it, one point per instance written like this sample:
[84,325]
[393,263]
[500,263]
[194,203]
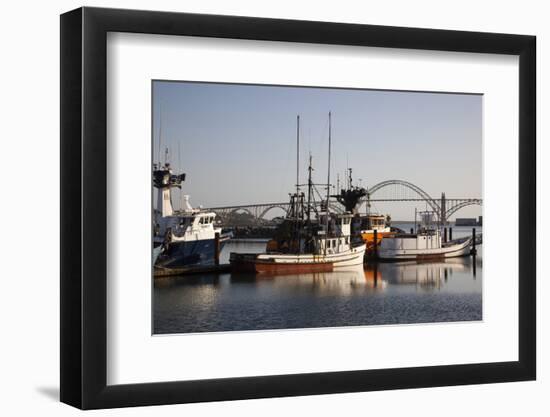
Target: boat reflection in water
[340,282]
[379,293]
[424,274]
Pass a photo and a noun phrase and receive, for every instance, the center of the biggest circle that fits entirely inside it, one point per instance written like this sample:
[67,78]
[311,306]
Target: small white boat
[426,244]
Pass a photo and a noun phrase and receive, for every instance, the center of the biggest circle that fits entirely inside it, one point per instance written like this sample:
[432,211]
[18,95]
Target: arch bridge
[385,191]
[401,190]
[259,211]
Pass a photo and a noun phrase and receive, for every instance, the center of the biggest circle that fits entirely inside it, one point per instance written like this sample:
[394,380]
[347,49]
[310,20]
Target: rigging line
[284,178]
[322,137]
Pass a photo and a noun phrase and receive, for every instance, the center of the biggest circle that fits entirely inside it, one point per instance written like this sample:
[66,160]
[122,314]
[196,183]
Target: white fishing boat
[303,243]
[425,244]
[316,252]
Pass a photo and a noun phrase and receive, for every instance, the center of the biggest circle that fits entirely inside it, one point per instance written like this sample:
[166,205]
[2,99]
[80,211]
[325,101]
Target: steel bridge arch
[237,209]
[221,214]
[423,194]
[463,204]
[265,211]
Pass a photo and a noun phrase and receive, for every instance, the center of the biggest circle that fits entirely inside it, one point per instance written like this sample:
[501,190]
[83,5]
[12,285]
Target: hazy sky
[237,143]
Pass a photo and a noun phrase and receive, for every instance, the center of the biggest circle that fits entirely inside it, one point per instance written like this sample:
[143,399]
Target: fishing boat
[425,244]
[308,240]
[374,228]
[319,251]
[185,238]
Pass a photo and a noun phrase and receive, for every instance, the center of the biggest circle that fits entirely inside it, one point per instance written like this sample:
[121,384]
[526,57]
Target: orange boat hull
[368,238]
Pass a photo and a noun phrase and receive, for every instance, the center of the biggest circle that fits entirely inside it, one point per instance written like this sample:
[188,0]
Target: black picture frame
[84,207]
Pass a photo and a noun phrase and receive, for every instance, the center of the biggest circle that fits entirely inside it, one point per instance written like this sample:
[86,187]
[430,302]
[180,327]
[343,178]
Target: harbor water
[376,294]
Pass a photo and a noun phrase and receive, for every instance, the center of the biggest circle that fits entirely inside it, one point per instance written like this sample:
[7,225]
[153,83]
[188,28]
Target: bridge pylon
[443,211]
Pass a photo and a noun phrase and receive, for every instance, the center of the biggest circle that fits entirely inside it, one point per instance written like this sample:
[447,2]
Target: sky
[237,143]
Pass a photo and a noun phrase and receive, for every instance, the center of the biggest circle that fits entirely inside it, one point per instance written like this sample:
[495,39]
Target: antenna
[160,131]
[347,169]
[181,171]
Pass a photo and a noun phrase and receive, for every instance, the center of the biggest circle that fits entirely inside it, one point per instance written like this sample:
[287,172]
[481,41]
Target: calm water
[383,293]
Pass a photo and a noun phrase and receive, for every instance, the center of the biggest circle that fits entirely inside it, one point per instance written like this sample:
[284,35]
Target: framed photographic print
[258,207]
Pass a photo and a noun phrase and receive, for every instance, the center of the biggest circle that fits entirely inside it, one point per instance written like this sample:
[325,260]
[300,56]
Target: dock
[160,272]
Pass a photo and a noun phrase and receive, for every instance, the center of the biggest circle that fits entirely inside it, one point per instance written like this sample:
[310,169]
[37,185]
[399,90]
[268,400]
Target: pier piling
[217,249]
[375,243]
[474,250]
[450,233]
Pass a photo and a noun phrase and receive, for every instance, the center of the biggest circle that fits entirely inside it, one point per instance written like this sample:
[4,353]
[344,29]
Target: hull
[157,250]
[278,263]
[368,238]
[448,250]
[189,253]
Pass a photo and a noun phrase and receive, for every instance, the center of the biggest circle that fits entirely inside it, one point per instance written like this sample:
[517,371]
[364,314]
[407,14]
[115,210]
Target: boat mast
[328,170]
[297,203]
[297,155]
[309,187]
